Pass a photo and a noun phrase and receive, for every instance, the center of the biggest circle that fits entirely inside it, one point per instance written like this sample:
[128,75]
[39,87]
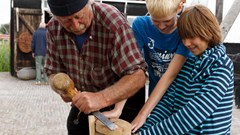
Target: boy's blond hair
[199,21]
[162,7]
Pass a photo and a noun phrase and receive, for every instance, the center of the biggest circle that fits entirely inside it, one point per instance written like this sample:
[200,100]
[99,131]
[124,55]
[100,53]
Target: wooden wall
[24,23]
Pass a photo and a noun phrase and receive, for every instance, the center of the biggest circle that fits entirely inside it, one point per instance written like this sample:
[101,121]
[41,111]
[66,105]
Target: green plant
[4,57]
[4,28]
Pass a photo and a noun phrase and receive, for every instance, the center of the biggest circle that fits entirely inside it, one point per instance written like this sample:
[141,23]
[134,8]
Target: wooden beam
[29,27]
[91,122]
[219,10]
[230,18]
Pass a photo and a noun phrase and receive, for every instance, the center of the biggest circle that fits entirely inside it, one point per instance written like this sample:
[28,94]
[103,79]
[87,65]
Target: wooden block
[91,121]
[123,128]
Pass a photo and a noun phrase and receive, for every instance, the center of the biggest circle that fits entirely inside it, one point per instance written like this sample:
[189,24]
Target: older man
[93,43]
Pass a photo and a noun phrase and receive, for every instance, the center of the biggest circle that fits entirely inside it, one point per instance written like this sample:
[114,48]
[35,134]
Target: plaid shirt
[109,52]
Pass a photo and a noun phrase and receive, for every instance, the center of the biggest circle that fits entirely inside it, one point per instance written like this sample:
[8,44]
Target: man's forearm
[126,87]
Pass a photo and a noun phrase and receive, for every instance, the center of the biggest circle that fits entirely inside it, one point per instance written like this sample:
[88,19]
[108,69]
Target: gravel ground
[29,109]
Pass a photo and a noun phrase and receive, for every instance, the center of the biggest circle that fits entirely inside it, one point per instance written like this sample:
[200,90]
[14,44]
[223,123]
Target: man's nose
[75,24]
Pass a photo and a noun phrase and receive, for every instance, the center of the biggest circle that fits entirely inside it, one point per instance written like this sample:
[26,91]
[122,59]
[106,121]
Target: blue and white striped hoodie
[199,101]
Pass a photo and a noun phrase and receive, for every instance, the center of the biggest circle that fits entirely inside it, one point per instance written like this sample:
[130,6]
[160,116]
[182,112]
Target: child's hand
[117,111]
[113,114]
[138,122]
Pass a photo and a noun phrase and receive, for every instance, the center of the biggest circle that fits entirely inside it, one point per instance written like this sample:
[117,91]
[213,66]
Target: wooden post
[219,10]
[91,121]
[230,18]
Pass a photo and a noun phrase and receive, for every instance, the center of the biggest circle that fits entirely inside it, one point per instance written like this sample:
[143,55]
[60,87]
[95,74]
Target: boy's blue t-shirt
[158,48]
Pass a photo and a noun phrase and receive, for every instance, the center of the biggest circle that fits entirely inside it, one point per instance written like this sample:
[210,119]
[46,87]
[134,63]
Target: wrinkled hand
[138,122]
[88,102]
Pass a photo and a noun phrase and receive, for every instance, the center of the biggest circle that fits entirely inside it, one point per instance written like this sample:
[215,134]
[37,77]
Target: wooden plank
[29,27]
[91,121]
[230,18]
[25,11]
[219,10]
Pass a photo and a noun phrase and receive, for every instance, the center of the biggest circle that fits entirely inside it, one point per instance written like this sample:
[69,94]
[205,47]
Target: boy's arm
[159,90]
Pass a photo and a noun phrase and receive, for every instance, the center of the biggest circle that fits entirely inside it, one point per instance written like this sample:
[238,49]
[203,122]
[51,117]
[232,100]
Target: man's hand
[88,102]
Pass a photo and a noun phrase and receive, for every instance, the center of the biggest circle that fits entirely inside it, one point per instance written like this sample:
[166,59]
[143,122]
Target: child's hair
[199,21]
[162,7]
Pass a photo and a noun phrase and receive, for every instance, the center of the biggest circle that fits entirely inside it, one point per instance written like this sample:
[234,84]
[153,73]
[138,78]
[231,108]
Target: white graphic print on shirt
[160,59]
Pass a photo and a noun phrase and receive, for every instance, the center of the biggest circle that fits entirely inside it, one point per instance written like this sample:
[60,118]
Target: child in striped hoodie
[199,101]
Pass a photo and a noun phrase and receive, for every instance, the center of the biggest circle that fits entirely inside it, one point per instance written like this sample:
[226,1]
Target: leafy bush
[4,57]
